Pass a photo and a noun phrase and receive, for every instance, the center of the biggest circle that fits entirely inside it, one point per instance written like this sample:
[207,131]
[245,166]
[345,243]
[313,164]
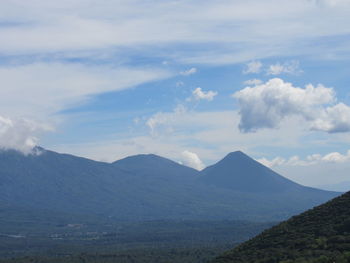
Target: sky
[187,80]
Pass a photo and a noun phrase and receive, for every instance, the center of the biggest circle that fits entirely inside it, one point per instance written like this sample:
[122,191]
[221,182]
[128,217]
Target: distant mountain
[150,187]
[318,235]
[237,171]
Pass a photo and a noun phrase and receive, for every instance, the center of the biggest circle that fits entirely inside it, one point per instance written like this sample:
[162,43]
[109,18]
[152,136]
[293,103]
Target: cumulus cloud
[253,67]
[252,82]
[268,104]
[291,67]
[20,134]
[188,72]
[198,94]
[191,159]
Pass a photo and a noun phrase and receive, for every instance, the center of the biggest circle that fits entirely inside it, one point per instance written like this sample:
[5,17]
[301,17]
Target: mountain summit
[238,171]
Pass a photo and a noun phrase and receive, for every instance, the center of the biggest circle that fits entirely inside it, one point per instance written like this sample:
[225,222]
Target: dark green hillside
[318,235]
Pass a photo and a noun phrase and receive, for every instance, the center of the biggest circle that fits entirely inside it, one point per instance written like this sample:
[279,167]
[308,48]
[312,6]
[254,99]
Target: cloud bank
[268,104]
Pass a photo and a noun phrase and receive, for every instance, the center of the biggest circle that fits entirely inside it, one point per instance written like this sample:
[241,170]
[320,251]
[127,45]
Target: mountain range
[150,187]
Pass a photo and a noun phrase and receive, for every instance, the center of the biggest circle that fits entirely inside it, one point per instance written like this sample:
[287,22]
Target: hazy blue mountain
[145,187]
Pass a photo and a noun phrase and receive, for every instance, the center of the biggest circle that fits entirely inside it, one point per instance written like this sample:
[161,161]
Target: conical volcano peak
[236,154]
[238,158]
[240,172]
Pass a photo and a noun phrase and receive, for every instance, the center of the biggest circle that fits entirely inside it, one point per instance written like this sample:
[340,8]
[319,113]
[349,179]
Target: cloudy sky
[188,80]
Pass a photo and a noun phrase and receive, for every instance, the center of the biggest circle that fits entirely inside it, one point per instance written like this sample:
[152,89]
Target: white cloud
[40,90]
[267,105]
[188,72]
[253,82]
[291,67]
[191,159]
[198,94]
[20,134]
[253,67]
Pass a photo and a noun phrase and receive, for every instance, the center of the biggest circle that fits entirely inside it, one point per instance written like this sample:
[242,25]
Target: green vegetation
[321,235]
[146,255]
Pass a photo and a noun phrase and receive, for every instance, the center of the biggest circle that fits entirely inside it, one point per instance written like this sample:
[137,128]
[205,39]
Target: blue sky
[187,80]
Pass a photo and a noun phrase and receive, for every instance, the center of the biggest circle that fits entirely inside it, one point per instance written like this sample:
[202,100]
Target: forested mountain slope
[321,234]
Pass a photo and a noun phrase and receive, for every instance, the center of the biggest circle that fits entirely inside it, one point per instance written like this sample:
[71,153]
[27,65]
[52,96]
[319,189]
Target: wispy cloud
[291,67]
[188,72]
[275,27]
[253,67]
[40,90]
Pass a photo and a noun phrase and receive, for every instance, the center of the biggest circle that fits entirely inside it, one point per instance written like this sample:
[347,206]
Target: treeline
[147,255]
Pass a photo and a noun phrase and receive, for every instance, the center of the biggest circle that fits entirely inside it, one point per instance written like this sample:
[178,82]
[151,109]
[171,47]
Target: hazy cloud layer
[239,30]
[268,104]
